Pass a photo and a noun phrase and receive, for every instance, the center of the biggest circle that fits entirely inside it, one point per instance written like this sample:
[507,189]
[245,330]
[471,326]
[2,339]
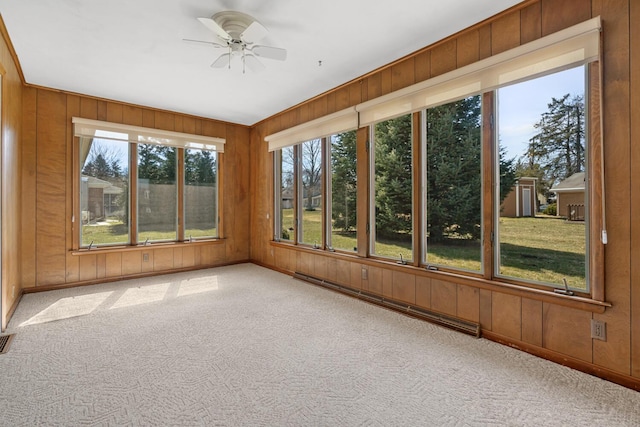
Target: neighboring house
[98,198]
[521,200]
[570,197]
[287,198]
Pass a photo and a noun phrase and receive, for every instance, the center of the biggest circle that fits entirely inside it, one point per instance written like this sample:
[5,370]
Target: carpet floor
[246,346]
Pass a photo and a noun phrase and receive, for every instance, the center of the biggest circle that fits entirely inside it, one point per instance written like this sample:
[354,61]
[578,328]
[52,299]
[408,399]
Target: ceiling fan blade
[222,61]
[253,63]
[253,33]
[214,44]
[217,29]
[270,52]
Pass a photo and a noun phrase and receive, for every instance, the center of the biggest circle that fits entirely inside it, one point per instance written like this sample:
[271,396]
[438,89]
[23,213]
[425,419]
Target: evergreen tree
[393,177]
[343,181]
[558,147]
[454,170]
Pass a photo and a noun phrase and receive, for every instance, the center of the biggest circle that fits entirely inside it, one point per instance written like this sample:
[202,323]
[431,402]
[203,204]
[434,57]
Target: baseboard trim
[568,361]
[12,310]
[127,277]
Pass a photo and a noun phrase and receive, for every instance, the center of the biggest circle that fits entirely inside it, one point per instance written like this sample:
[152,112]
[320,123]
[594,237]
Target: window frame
[180,142]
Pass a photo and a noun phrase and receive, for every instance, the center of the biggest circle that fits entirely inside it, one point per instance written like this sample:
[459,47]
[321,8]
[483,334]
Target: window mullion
[180,164]
[489,182]
[416,199]
[133,190]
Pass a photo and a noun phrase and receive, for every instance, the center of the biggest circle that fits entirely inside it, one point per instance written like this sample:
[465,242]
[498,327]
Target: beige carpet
[246,346]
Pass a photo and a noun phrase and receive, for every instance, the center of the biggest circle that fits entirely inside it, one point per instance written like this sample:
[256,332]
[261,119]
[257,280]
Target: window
[171,168]
[310,200]
[104,192]
[285,198]
[498,187]
[343,192]
[452,179]
[543,216]
[391,222]
[157,173]
[200,194]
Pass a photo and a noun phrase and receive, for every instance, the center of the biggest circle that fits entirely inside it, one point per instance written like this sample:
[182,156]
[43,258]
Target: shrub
[552,209]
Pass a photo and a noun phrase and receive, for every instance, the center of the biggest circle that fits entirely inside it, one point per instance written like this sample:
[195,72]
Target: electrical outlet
[598,330]
[365,273]
[145,257]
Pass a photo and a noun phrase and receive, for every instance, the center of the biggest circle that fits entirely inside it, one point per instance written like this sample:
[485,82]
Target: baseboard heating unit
[464,326]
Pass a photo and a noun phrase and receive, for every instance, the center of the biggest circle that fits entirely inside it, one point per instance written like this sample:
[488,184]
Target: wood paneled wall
[544,325]
[47,194]
[10,179]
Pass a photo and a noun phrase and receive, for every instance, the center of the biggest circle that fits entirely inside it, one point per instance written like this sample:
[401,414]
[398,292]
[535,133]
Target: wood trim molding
[562,359]
[12,51]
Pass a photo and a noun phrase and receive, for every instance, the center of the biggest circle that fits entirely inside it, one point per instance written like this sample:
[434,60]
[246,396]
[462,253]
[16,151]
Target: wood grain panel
[486,302]
[165,121]
[423,292]
[113,265]
[114,112]
[468,48]
[505,33]
[386,80]
[148,118]
[506,315]
[51,158]
[468,303]
[101,266]
[615,353]
[635,188]
[88,108]
[374,86]
[443,58]
[320,266]
[304,263]
[355,93]
[332,270]
[72,263]
[557,15]
[88,267]
[403,74]
[188,257]
[530,23]
[177,257]
[163,259]
[343,272]
[375,280]
[341,98]
[567,331]
[443,296]
[404,287]
[132,263]
[422,62]
[102,110]
[387,283]
[132,115]
[29,187]
[484,33]
[532,321]
[356,275]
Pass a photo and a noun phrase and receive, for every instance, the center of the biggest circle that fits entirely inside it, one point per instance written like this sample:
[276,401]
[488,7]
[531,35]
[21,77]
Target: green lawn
[541,249]
[114,232]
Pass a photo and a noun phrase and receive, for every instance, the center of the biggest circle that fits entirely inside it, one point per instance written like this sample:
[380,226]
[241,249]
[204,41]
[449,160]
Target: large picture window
[104,192]
[543,217]
[392,226]
[453,185]
[343,183]
[499,185]
[168,167]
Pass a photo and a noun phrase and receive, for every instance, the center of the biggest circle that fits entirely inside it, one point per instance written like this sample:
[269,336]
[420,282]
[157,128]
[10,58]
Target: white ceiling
[133,50]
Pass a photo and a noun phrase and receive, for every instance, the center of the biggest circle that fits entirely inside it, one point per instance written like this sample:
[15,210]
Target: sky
[520,106]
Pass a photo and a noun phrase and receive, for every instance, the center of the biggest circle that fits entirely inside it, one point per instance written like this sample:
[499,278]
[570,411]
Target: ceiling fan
[238,33]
